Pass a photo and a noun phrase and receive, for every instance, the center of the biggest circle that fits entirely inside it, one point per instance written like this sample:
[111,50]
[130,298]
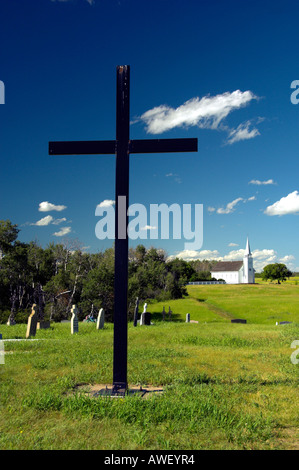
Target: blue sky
[220,71]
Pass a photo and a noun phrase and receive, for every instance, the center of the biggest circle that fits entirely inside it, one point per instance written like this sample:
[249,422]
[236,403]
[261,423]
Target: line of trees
[60,275]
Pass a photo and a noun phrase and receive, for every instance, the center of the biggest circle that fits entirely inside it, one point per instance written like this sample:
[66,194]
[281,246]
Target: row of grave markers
[33,325]
[145,319]
[75,322]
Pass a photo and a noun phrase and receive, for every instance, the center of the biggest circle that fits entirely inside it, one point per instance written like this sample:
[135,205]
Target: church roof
[227,266]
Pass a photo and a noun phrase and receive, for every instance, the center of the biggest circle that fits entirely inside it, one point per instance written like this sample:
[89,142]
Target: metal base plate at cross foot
[116,392]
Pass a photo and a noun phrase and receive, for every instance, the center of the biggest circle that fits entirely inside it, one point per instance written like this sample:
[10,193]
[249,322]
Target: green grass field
[258,303]
[226,386]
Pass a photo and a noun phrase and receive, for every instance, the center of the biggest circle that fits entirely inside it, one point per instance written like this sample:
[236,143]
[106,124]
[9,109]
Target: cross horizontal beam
[88,147]
[163,145]
[102,147]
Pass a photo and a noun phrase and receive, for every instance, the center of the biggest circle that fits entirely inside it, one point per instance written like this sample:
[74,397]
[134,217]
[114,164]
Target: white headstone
[101,319]
[74,320]
[32,322]
[142,316]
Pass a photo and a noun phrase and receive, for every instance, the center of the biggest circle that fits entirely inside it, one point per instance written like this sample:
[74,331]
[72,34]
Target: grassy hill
[257,303]
[226,386]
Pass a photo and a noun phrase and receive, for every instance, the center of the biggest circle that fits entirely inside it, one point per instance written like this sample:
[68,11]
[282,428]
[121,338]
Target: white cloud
[190,255]
[64,231]
[263,257]
[207,112]
[106,203]
[260,254]
[230,207]
[260,257]
[148,227]
[44,221]
[233,244]
[287,259]
[234,255]
[209,254]
[58,221]
[286,205]
[175,177]
[48,206]
[242,133]
[259,183]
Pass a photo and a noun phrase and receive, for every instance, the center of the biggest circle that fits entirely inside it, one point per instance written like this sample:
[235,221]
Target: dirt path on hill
[219,311]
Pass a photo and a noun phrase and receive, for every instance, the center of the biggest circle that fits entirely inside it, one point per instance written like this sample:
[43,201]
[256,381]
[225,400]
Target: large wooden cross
[121,147]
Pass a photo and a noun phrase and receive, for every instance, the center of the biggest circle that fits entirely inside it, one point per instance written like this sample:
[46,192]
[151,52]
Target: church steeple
[247,249]
[248,271]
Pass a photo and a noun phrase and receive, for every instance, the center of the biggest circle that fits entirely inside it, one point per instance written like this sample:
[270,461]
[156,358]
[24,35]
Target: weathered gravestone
[238,320]
[169,313]
[43,325]
[101,319]
[187,317]
[163,313]
[136,311]
[142,316]
[145,318]
[11,321]
[32,322]
[74,320]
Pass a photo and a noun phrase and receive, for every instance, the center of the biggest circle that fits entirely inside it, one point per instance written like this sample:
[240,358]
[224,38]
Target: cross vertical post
[121,148]
[121,223]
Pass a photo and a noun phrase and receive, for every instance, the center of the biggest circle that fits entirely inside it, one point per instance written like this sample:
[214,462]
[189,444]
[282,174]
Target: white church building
[236,272]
